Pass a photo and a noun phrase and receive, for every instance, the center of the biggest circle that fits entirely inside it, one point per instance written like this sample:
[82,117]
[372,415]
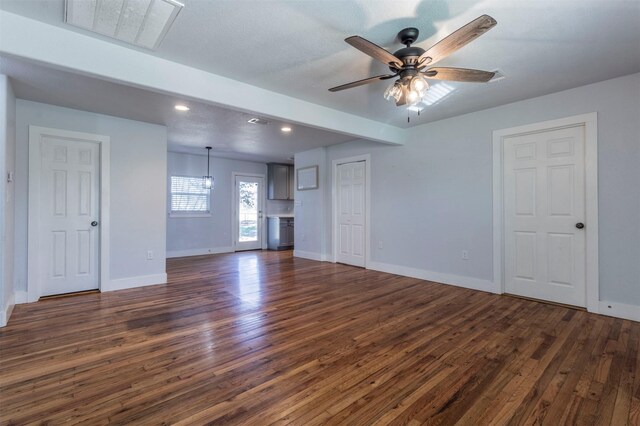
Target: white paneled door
[351,244]
[69,215]
[544,214]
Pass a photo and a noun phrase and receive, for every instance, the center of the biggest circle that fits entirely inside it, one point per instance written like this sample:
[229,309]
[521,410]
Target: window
[189,197]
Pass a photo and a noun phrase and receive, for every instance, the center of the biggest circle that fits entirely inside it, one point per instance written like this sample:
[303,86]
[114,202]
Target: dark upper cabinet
[280,178]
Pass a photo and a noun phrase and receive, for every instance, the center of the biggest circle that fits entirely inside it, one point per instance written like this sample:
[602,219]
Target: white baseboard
[6,310]
[133,282]
[199,252]
[619,310]
[21,297]
[310,255]
[438,277]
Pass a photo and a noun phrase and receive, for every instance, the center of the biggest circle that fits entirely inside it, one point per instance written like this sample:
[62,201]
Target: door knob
[94,223]
[579,225]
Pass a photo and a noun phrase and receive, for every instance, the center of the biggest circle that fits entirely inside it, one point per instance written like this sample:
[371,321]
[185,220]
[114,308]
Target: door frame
[367,205]
[590,123]
[234,208]
[34,289]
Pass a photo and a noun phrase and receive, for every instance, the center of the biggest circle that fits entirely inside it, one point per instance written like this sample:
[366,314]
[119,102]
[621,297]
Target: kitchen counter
[285,215]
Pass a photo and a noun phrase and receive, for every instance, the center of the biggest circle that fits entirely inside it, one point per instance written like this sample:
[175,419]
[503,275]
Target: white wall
[138,195]
[7,197]
[311,207]
[432,198]
[188,236]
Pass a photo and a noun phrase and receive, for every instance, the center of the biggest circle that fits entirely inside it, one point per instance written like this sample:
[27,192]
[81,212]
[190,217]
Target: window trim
[187,213]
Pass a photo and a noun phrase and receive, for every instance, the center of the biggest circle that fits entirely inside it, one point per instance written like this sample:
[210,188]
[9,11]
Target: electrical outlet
[303,237]
[379,244]
[149,254]
[465,255]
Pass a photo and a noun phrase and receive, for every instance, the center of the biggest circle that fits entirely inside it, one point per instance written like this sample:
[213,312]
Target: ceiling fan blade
[457,39]
[459,74]
[361,82]
[374,51]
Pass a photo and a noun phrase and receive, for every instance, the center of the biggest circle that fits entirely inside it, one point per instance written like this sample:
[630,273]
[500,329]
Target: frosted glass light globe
[419,84]
[393,92]
[413,97]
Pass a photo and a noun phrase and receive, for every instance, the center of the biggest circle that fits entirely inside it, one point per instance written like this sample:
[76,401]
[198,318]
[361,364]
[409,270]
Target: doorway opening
[351,206]
[248,218]
[68,212]
[546,211]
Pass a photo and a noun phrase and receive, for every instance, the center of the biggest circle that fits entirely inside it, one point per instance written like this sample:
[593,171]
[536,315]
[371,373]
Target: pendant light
[207,181]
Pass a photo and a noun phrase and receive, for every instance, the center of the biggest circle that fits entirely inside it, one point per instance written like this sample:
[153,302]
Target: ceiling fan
[409,63]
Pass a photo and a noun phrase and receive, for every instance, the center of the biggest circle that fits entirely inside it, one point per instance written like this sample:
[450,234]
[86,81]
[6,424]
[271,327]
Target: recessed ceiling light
[182,108]
[286,129]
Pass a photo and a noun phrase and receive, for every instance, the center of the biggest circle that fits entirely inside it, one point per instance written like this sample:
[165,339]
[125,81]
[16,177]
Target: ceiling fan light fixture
[413,96]
[419,84]
[207,181]
[393,92]
[409,63]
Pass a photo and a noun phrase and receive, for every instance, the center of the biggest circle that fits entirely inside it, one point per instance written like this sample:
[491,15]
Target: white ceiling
[296,47]
[227,131]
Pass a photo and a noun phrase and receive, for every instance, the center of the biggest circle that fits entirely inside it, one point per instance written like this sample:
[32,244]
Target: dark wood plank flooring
[264,338]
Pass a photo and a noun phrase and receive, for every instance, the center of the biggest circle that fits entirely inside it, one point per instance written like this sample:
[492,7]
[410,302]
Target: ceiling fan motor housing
[408,36]
[409,56]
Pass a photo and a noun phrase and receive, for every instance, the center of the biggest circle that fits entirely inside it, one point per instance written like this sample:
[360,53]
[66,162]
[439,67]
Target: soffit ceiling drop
[229,132]
[142,23]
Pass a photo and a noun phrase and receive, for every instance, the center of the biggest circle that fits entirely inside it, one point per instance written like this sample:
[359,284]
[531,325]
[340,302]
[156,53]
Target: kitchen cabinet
[280,232]
[280,181]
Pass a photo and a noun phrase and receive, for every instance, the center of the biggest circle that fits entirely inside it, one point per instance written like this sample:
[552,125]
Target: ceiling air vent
[499,75]
[142,23]
[257,120]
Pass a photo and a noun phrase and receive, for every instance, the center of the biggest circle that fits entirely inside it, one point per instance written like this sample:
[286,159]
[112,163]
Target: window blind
[189,195]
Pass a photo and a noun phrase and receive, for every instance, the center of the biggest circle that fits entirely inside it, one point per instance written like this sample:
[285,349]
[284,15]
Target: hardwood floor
[263,338]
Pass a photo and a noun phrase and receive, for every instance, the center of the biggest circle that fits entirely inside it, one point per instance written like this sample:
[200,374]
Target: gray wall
[432,198]
[311,207]
[197,235]
[7,194]
[138,198]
